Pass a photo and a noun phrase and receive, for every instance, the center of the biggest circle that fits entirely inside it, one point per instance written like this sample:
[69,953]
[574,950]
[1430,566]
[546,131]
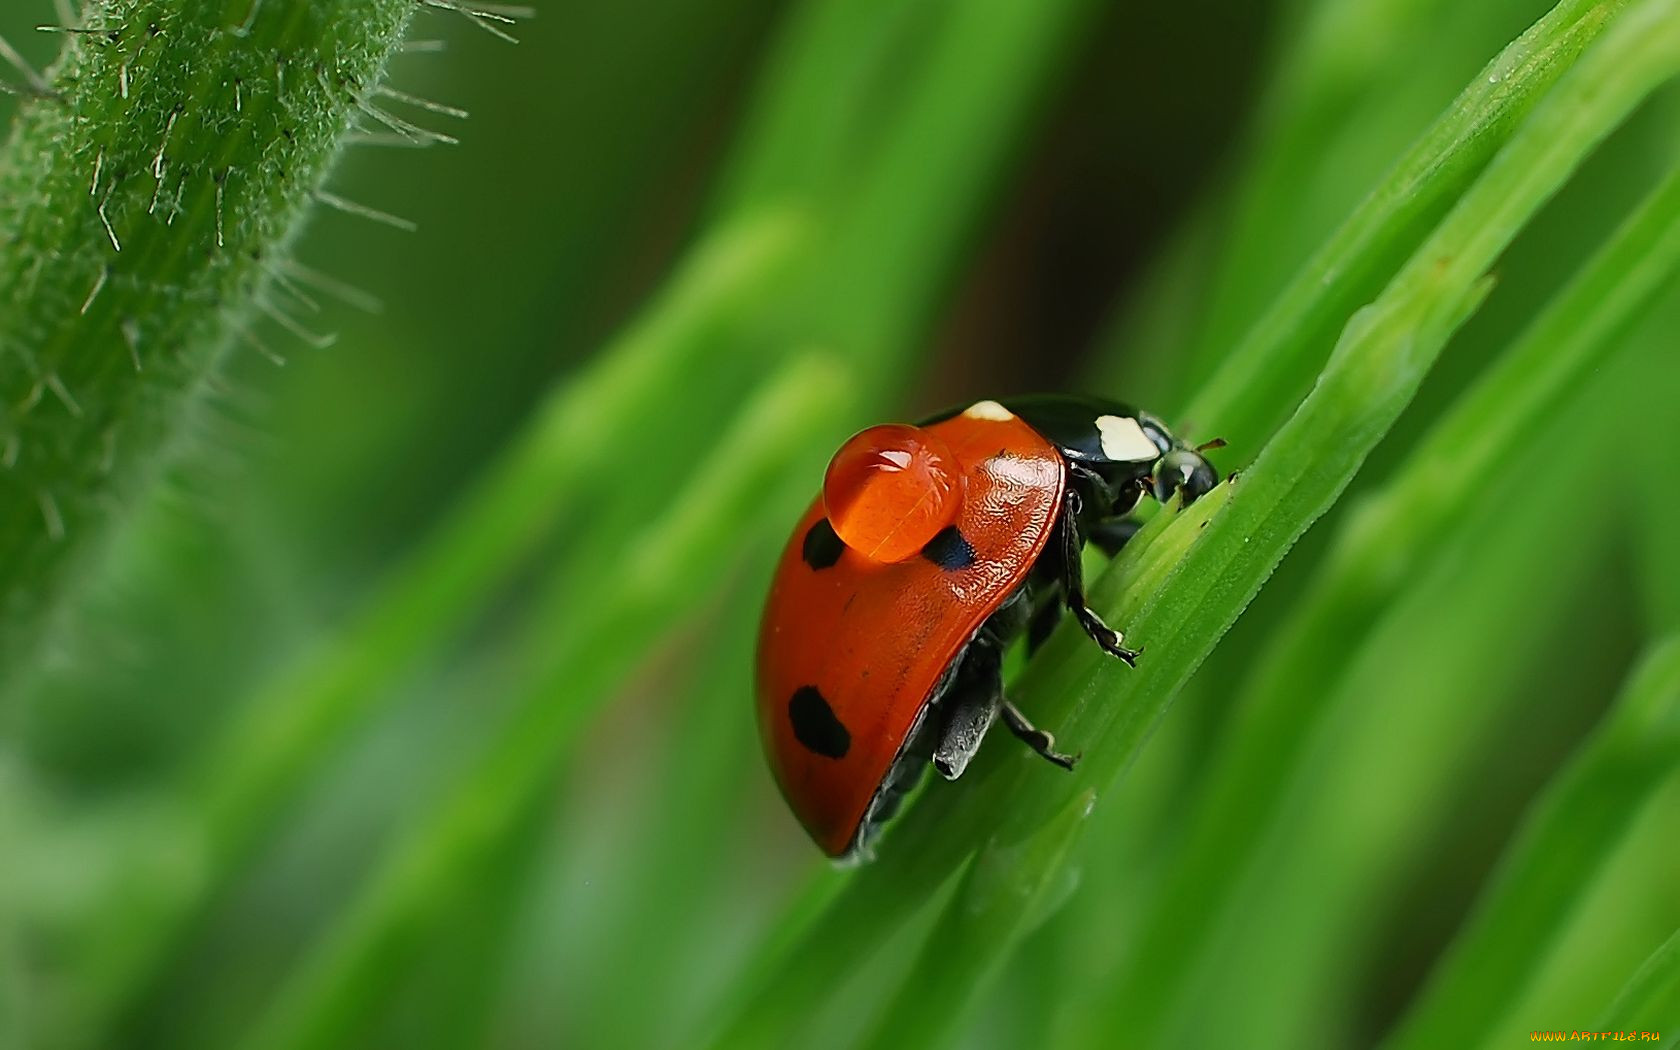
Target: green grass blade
[458,972]
[895,230]
[1626,910]
[1266,372]
[890,239]
[995,906]
[1180,606]
[949,137]
[1650,1001]
[276,741]
[1568,835]
[862,908]
[142,208]
[1399,745]
[706,764]
[453,571]
[347,973]
[896,234]
[830,61]
[1657,504]
[1351,89]
[566,449]
[1388,537]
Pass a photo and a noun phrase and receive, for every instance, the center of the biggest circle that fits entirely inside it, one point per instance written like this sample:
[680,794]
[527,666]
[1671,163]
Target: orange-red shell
[866,642]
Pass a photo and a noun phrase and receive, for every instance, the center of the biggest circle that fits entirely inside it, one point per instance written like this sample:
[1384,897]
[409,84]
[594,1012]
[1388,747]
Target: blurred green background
[1007,197]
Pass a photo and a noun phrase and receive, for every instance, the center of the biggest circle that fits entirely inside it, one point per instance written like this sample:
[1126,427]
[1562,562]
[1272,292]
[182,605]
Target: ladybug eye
[890,489]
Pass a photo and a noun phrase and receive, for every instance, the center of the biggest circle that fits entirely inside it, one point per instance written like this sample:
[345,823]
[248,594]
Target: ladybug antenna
[1209,446]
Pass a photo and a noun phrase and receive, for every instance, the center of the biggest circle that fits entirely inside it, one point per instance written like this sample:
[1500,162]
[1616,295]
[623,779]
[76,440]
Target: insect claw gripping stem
[1039,740]
[1107,637]
[1073,584]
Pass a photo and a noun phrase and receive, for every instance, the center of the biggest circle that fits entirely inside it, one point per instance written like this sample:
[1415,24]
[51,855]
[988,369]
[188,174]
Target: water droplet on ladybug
[890,489]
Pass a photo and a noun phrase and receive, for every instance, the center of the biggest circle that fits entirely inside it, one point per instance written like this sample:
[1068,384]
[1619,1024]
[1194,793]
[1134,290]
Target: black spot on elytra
[814,724]
[949,549]
[822,547]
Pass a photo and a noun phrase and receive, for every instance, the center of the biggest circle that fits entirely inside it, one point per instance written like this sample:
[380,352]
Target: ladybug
[928,550]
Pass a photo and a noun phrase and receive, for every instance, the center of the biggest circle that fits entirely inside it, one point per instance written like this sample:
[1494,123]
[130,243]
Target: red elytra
[851,648]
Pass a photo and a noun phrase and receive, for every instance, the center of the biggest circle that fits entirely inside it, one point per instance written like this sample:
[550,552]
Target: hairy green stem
[144,205]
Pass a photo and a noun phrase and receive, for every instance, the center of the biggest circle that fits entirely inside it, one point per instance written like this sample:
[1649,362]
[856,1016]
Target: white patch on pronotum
[1124,441]
[988,410]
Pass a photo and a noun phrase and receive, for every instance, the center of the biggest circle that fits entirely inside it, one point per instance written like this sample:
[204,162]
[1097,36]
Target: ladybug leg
[972,705]
[969,709]
[1034,737]
[1073,585]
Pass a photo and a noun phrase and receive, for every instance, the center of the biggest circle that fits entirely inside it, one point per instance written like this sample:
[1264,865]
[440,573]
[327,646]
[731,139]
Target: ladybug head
[1187,471]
